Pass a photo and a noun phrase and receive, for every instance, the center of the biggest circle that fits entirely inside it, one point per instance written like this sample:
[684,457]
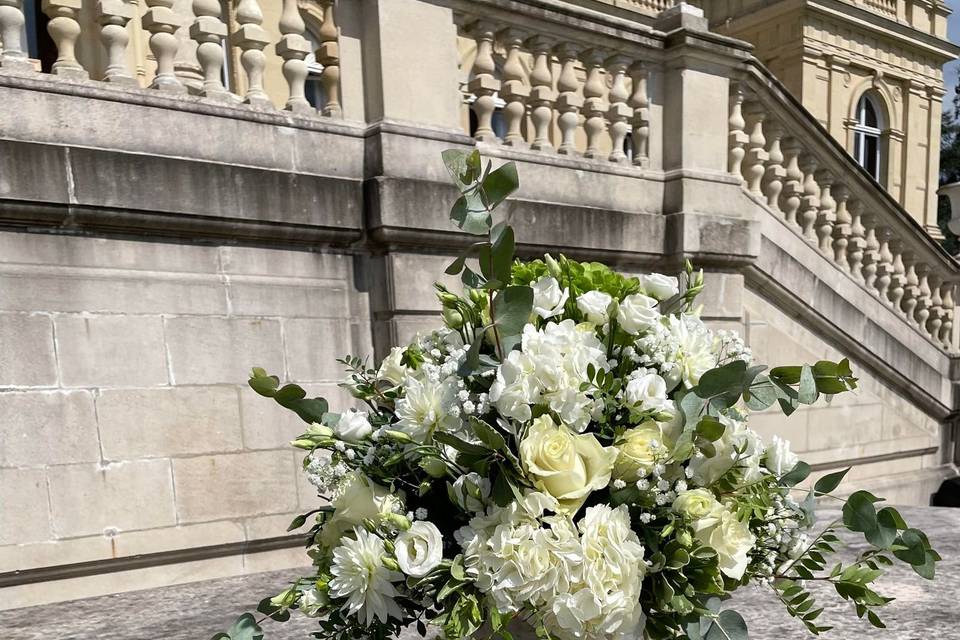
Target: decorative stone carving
[542,93]
[826,213]
[793,187]
[113,16]
[594,107]
[738,138]
[619,112]
[640,102]
[484,85]
[293,47]
[569,102]
[252,38]
[64,29]
[515,91]
[208,30]
[328,54]
[161,22]
[756,155]
[12,53]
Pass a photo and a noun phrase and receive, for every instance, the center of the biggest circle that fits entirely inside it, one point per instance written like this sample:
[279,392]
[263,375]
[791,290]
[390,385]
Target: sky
[953,32]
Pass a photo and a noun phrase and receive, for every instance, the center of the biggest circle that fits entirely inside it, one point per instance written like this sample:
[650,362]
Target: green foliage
[290,396]
[245,628]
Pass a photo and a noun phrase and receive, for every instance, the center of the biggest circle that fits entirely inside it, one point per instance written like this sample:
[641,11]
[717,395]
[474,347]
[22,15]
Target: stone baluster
[925,297]
[161,22]
[569,102]
[328,54]
[293,48]
[946,329]
[594,107]
[542,93]
[774,173]
[884,264]
[756,156]
[113,16]
[826,213]
[619,113]
[857,242]
[935,321]
[12,53]
[810,202]
[842,227]
[871,253]
[208,30]
[738,138]
[911,285]
[483,84]
[515,91]
[64,29]
[793,187]
[251,38]
[640,102]
[898,273]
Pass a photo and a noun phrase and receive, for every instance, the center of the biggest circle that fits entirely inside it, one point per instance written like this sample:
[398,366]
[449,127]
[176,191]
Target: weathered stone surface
[22,491]
[111,350]
[47,427]
[30,360]
[205,350]
[148,423]
[231,486]
[88,499]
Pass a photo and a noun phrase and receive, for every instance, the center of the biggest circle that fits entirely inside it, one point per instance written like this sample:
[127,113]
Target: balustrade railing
[207,26]
[807,181]
[553,95]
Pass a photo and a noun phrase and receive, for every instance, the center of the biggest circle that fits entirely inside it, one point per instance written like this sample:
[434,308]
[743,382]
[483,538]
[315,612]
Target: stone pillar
[404,67]
[932,182]
[185,63]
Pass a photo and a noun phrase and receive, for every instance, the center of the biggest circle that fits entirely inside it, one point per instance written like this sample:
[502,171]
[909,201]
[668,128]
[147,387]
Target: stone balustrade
[161,20]
[807,181]
[556,95]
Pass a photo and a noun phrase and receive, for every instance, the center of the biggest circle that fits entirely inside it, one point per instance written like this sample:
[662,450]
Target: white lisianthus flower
[426,407]
[730,538]
[648,392]
[312,602]
[637,313]
[659,286]
[359,499]
[471,492]
[360,576]
[779,458]
[638,450]
[548,298]
[564,464]
[419,549]
[593,304]
[353,426]
[391,369]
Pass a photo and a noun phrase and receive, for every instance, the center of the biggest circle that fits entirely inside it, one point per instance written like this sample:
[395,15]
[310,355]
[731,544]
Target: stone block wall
[128,426]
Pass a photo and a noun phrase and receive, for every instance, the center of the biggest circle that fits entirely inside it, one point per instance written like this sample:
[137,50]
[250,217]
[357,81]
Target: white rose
[637,451]
[731,539]
[360,499]
[659,286]
[779,458]
[548,299]
[566,465]
[353,426]
[648,392]
[637,313]
[593,304]
[696,505]
[391,369]
[419,549]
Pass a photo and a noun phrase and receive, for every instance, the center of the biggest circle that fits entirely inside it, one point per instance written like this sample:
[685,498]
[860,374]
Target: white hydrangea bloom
[548,369]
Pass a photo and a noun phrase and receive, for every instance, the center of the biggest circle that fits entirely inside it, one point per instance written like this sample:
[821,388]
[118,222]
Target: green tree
[949,167]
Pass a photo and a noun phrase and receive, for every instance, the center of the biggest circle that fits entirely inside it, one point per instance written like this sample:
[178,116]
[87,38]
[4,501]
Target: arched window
[867,132]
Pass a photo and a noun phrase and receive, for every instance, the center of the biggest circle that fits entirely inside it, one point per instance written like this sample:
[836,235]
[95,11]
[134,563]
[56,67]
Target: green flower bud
[370,525]
[397,520]
[684,538]
[477,297]
[552,267]
[390,563]
[398,436]
[389,546]
[452,318]
[434,466]
[447,299]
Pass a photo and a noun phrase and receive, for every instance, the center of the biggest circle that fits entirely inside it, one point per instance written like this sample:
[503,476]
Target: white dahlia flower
[361,577]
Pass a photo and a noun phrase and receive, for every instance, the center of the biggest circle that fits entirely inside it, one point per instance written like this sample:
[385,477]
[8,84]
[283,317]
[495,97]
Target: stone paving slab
[922,611]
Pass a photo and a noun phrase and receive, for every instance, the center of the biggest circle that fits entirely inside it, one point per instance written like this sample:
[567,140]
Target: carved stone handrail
[207,28]
[792,166]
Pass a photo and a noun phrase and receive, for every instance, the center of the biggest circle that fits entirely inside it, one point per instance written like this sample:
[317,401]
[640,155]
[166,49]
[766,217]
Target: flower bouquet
[570,452]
